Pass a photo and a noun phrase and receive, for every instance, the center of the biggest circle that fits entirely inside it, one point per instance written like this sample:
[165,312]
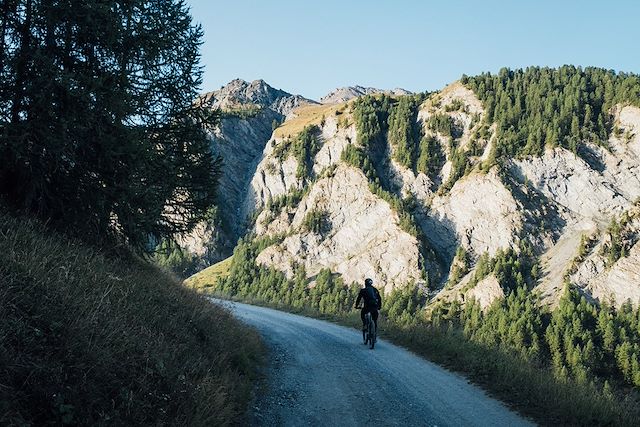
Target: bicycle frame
[369,334]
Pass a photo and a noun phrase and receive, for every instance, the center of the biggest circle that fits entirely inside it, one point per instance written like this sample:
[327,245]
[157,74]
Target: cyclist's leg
[374,316]
[362,314]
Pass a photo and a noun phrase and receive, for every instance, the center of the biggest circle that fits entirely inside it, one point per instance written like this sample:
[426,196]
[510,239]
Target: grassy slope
[208,277]
[91,340]
[305,116]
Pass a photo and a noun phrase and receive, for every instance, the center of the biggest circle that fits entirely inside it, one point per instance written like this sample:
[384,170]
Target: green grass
[87,339]
[207,278]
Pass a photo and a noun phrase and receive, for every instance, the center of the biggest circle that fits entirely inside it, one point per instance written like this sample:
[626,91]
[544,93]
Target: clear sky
[310,47]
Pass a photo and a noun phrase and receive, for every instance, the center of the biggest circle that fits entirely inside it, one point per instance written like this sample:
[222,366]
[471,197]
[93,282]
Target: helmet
[368,282]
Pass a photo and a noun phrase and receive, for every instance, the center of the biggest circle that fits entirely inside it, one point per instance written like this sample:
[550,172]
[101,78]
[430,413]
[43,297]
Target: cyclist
[372,302]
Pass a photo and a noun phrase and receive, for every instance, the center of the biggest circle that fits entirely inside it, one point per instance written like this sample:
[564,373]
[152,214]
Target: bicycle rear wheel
[366,332]
[372,334]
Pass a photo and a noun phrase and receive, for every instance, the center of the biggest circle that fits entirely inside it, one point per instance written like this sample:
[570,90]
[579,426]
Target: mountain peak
[241,93]
[344,94]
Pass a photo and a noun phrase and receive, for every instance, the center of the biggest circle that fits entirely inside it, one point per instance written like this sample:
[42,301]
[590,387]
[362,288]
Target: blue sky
[311,47]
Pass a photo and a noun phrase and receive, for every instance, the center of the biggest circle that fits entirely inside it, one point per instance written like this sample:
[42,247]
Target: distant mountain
[344,94]
[239,93]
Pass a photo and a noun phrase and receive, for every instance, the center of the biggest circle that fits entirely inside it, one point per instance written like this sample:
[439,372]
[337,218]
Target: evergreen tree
[101,132]
[553,107]
[402,134]
[430,156]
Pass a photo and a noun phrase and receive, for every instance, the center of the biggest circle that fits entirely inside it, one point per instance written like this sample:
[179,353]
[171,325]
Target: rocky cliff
[249,111]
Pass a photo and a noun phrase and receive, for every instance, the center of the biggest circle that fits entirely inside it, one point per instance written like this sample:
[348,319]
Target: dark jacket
[371,297]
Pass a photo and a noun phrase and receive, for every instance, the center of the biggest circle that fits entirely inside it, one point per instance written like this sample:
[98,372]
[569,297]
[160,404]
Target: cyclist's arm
[379,299]
[358,299]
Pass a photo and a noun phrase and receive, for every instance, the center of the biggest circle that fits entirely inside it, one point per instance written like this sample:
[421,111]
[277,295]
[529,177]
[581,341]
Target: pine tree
[101,132]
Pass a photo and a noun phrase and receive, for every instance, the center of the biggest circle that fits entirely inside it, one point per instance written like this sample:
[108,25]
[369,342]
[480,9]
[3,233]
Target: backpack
[370,297]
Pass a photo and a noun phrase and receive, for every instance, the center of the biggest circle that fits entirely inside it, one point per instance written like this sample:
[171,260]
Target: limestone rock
[566,178]
[335,139]
[479,213]
[621,282]
[365,239]
[486,291]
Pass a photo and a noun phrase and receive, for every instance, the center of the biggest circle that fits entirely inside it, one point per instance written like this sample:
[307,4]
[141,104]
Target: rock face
[479,213]
[565,178]
[362,236]
[589,190]
[549,202]
[240,142]
[248,111]
[603,280]
[619,283]
[486,292]
[344,94]
[276,177]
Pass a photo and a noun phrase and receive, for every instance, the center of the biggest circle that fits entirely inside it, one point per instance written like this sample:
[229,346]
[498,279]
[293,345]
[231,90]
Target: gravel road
[322,374]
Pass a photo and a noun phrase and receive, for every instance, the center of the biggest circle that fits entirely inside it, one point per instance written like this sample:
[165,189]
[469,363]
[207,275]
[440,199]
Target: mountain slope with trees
[248,114]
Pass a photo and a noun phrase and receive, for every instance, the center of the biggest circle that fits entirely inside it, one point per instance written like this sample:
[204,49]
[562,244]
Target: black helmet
[368,282]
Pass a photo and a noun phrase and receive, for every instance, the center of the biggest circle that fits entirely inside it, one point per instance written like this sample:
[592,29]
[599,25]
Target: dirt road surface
[322,374]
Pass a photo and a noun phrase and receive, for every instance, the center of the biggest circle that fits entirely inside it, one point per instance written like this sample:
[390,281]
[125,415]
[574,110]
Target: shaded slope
[89,340]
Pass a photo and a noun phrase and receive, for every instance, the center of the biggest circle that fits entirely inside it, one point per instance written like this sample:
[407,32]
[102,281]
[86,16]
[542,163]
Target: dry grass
[90,340]
[308,115]
[206,279]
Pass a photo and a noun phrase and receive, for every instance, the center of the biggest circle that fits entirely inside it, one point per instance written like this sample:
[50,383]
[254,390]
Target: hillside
[429,180]
[87,339]
[250,114]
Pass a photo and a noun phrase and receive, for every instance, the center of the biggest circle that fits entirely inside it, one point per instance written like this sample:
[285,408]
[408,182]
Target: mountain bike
[369,331]
[370,326]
